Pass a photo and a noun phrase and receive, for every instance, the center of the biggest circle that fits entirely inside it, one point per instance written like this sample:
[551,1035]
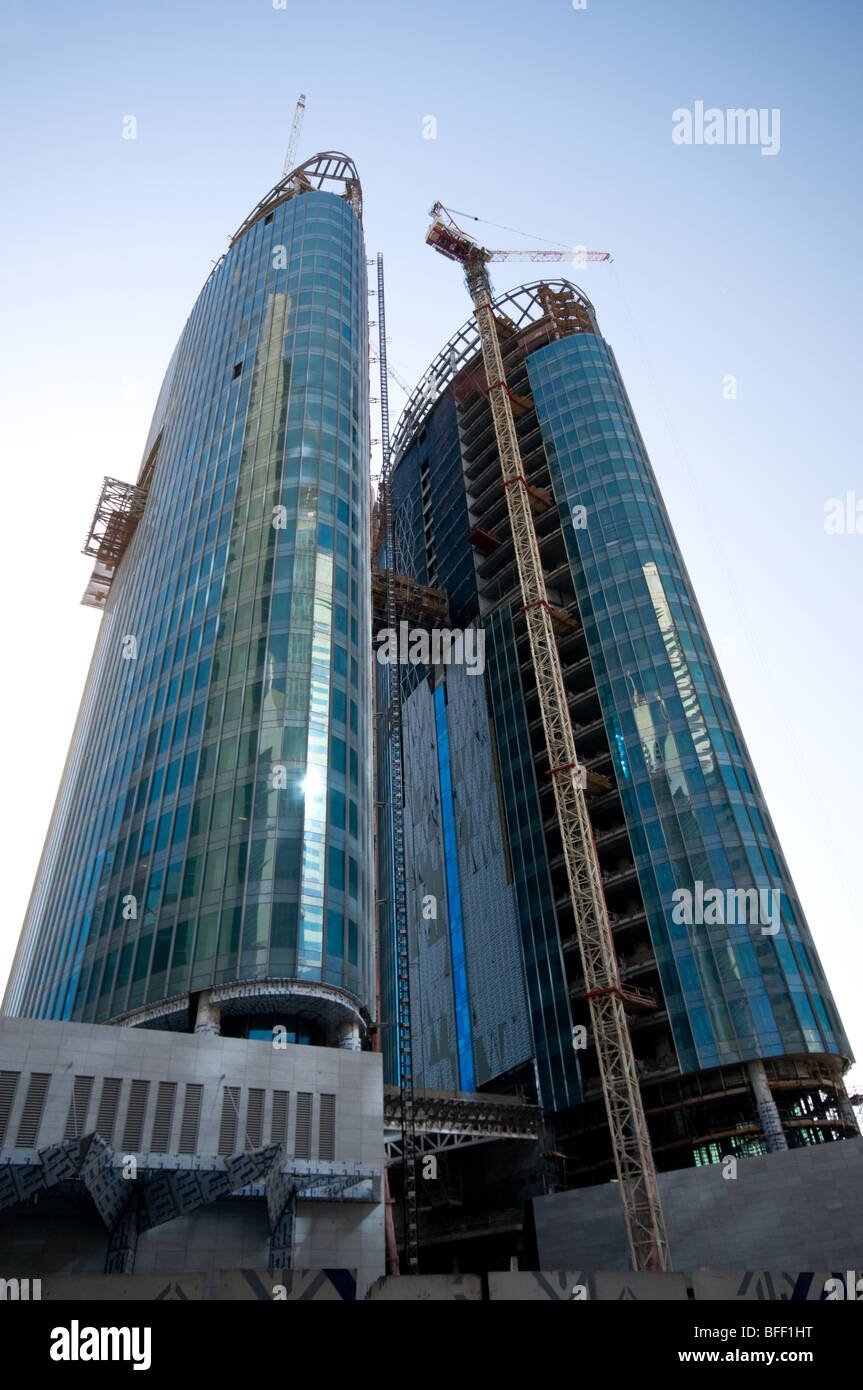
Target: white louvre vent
[191,1118]
[327,1127]
[279,1122]
[133,1130]
[31,1115]
[160,1138]
[109,1103]
[76,1120]
[303,1136]
[255,1120]
[8,1086]
[228,1127]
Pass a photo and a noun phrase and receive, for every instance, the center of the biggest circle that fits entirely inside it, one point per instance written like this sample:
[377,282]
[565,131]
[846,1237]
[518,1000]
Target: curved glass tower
[213,830]
[736,1035]
[740,976]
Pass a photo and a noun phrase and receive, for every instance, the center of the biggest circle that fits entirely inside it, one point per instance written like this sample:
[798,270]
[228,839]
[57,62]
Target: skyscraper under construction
[737,1041]
[209,882]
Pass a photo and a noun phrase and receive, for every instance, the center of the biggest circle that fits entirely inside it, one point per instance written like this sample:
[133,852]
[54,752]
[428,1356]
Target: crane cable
[501,228]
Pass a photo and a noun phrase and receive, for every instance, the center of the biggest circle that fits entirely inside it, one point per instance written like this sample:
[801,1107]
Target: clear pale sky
[552,120]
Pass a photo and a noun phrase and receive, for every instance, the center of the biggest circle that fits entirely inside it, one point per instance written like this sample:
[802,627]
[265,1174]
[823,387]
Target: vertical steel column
[123,1241]
[394,732]
[282,1236]
[768,1114]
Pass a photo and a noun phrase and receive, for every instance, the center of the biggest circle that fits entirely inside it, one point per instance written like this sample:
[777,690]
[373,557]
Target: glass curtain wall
[214,822]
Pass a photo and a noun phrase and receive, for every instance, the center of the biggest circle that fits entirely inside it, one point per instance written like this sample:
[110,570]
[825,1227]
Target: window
[327,1127]
[108,1106]
[279,1121]
[303,1135]
[161,1133]
[228,1125]
[134,1127]
[191,1116]
[77,1117]
[255,1118]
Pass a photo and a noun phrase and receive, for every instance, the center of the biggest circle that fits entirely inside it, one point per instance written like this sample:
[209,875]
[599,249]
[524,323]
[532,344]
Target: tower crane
[294,139]
[604,991]
[399,380]
[448,238]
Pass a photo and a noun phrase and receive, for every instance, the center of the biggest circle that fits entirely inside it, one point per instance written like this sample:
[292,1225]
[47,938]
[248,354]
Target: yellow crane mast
[604,991]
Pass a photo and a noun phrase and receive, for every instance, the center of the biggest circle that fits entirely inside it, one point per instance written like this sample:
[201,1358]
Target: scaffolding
[393,735]
[414,602]
[115,520]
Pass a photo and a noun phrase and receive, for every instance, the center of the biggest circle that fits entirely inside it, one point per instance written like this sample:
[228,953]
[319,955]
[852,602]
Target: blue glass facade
[693,807]
[544,972]
[214,819]
[675,806]
[429,484]
[453,889]
[469,1016]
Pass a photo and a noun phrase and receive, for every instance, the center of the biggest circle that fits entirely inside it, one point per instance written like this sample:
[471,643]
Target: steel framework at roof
[521,306]
[316,174]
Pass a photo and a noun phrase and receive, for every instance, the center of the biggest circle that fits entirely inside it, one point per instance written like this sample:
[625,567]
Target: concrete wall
[226,1237]
[795,1210]
[66,1050]
[458,1288]
[60,1236]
